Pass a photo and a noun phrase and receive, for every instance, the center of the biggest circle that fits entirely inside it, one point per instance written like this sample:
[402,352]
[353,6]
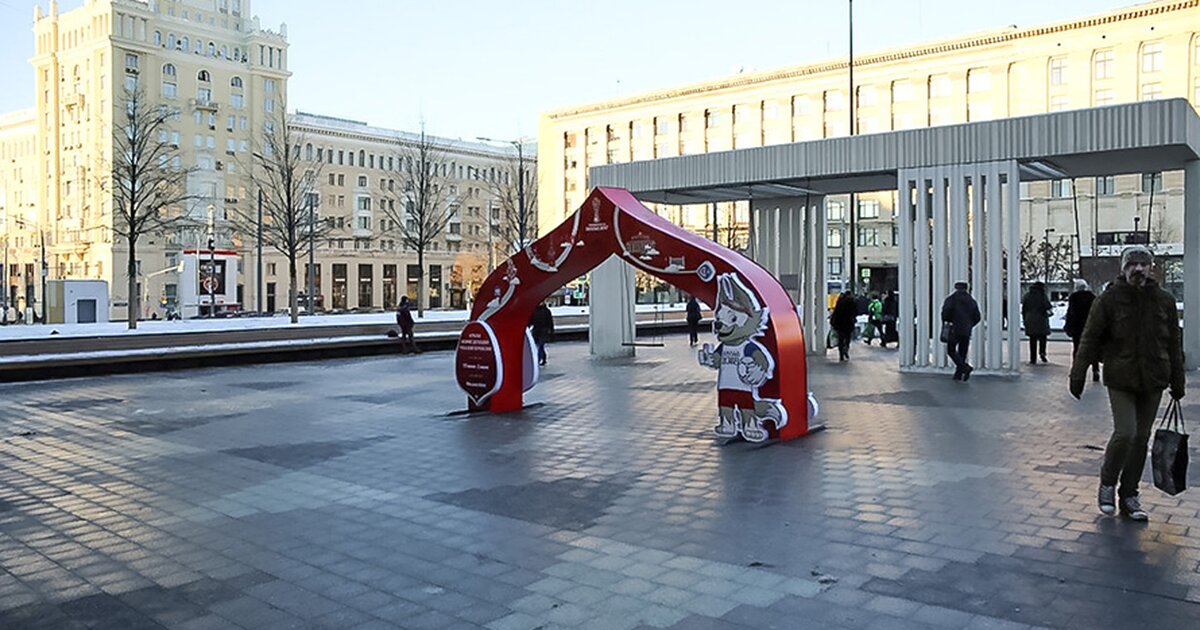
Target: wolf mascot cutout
[742,363]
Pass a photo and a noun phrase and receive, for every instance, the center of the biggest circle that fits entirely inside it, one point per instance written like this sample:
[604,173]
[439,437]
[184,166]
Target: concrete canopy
[946,175]
[1148,136]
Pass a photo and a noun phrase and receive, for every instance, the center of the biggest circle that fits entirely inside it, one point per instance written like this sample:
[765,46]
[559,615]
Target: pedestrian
[843,319]
[1035,314]
[693,320]
[962,312]
[404,319]
[874,325]
[542,322]
[891,311]
[1133,326]
[1078,306]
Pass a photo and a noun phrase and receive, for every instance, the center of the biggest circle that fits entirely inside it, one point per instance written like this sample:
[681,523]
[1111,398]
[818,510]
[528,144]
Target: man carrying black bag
[1133,328]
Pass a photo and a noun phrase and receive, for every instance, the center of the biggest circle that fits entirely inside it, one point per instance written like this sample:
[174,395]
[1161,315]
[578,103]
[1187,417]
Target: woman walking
[1035,313]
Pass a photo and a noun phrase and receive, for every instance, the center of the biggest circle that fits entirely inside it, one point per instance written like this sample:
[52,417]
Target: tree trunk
[293,298]
[131,272]
[421,282]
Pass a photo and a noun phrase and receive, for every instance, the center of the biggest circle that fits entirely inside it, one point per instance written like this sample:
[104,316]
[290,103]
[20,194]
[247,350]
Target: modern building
[1144,52]
[225,78]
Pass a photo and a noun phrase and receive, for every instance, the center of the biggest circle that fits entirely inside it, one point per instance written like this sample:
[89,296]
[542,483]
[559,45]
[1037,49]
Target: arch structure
[762,377]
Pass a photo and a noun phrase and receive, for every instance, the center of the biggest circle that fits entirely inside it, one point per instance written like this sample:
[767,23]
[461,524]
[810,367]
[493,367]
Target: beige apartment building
[1147,51]
[225,77]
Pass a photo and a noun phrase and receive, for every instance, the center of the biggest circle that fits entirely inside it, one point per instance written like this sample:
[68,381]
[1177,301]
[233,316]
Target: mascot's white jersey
[731,358]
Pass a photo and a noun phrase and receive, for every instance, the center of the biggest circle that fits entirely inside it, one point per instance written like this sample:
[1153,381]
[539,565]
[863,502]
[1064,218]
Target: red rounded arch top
[611,222]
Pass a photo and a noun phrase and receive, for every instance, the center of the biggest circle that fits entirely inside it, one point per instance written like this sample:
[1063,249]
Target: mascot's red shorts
[735,398]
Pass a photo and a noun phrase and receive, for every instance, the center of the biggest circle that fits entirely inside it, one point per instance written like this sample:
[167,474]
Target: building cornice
[978,40]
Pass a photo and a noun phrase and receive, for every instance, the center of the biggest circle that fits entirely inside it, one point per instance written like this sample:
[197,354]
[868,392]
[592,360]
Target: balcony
[205,105]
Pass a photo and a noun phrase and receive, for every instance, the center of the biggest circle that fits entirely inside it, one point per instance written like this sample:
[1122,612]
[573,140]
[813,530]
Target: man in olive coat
[1133,328]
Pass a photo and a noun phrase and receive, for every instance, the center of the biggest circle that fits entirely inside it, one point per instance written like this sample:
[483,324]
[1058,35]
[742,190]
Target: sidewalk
[338,494]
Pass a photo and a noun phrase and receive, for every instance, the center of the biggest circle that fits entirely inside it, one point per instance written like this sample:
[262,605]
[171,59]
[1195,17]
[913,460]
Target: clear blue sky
[482,68]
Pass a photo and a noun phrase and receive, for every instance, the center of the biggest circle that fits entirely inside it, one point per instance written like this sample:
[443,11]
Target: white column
[980,262]
[994,286]
[921,296]
[1191,264]
[906,300]
[612,300]
[813,288]
[939,285]
[1012,208]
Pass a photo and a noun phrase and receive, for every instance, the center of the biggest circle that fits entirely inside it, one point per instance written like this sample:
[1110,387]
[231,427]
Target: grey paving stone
[276,500]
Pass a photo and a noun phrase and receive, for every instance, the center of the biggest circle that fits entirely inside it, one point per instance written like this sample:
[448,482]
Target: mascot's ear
[742,297]
[724,289]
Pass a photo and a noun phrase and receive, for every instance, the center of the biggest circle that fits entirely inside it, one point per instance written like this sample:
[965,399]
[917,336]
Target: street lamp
[312,253]
[1136,235]
[1046,252]
[212,262]
[853,119]
[522,217]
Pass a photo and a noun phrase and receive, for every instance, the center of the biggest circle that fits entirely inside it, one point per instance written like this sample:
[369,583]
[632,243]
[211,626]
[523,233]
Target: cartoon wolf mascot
[743,364]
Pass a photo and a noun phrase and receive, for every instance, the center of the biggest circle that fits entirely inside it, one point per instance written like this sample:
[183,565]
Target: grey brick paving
[339,494]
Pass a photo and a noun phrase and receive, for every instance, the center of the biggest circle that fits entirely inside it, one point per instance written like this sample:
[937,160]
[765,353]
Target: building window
[1102,65]
[939,86]
[833,238]
[131,62]
[130,83]
[868,237]
[978,80]
[868,96]
[1151,182]
[712,118]
[868,209]
[1151,91]
[362,181]
[269,105]
[157,38]
[1152,57]
[1060,188]
[835,266]
[237,101]
[203,94]
[902,91]
[268,85]
[1103,97]
[1058,71]
[835,211]
[662,125]
[1105,186]
[236,83]
[801,105]
[203,76]
[1059,103]
[834,101]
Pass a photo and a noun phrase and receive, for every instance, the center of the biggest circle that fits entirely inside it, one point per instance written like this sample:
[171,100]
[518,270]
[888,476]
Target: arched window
[183,44]
[308,151]
[212,49]
[157,38]
[203,76]
[361,158]
[236,82]
[224,52]
[170,40]
[168,69]
[237,53]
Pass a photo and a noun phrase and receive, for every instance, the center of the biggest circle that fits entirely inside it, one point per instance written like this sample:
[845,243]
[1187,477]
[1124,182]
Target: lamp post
[258,275]
[853,266]
[213,262]
[45,272]
[312,254]
[522,215]
[1046,252]
[1137,236]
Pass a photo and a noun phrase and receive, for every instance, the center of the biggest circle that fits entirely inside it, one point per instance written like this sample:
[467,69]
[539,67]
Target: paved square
[339,494]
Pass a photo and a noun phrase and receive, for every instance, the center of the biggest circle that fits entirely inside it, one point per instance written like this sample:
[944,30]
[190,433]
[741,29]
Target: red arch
[612,222]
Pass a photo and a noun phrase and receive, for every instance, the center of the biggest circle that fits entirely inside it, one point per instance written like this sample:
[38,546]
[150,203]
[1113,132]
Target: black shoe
[1095,377]
[1044,359]
[967,373]
[1033,362]
[1132,509]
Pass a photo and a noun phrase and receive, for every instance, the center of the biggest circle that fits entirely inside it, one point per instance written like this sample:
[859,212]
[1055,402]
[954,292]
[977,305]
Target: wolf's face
[738,316]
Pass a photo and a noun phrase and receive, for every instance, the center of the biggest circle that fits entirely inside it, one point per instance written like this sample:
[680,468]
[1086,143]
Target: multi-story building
[1142,52]
[225,78]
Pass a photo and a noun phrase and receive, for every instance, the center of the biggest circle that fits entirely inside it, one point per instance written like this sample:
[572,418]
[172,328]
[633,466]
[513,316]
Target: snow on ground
[151,327]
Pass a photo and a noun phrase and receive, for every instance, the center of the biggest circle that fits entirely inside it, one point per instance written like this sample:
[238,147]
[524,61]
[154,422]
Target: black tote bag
[1169,453]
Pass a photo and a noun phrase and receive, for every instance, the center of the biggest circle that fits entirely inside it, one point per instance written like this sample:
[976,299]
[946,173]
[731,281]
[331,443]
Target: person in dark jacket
[542,322]
[693,320]
[1035,314]
[891,312]
[843,319]
[1078,306]
[404,320]
[962,312]
[1133,327]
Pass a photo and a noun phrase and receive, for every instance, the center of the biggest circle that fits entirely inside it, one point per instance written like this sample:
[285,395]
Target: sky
[482,68]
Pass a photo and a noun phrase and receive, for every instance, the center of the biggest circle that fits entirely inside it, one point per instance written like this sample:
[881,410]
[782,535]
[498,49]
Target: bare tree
[1052,261]
[514,194]
[419,202]
[146,181]
[288,181]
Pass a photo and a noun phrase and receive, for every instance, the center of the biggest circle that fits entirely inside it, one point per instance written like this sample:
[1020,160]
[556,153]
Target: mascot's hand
[751,373]
[708,357]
